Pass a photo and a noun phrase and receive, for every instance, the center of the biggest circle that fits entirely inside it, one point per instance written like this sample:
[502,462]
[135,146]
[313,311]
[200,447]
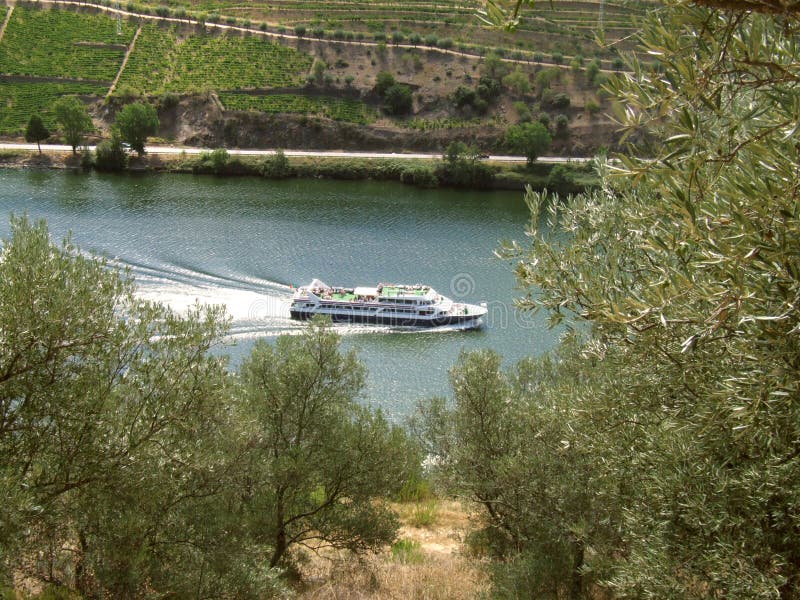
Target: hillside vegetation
[223,73]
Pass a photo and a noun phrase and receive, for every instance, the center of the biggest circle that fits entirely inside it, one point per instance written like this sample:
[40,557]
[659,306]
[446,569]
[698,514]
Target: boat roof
[404,291]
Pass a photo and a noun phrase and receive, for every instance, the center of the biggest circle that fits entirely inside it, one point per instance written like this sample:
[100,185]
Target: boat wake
[257,307]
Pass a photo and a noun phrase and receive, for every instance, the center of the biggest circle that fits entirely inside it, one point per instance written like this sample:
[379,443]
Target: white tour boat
[384,304]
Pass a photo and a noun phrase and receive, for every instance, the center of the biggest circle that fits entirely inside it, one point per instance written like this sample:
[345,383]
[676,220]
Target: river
[243,242]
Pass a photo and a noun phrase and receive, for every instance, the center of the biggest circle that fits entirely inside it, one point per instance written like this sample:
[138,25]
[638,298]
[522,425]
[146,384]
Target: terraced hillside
[64,44]
[566,26]
[243,71]
[163,61]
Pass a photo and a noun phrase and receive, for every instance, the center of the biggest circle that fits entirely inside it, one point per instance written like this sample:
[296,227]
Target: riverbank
[563,178]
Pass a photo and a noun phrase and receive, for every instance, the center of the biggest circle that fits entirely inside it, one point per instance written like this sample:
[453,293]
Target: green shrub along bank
[564,179]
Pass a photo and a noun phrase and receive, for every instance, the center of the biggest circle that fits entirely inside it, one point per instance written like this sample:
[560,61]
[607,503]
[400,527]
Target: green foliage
[559,100]
[214,161]
[124,489]
[159,63]
[507,446]
[592,71]
[493,67]
[562,124]
[318,69]
[464,96]
[517,82]
[315,459]
[110,155]
[21,100]
[529,139]
[408,552]
[398,100]
[276,166]
[523,111]
[488,89]
[682,271]
[73,120]
[36,131]
[462,167]
[421,176]
[135,123]
[425,513]
[60,43]
[561,180]
[545,78]
[338,109]
[383,81]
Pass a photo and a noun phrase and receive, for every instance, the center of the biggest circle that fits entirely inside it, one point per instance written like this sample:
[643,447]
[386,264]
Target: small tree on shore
[36,131]
[71,115]
[135,123]
[531,139]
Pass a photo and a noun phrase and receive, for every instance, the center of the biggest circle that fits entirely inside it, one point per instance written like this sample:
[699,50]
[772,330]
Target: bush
[425,513]
[517,82]
[407,552]
[544,119]
[488,89]
[415,38]
[421,176]
[276,166]
[463,96]
[560,100]
[431,40]
[461,167]
[557,58]
[213,162]
[398,38]
[561,180]
[299,30]
[398,100]
[445,43]
[562,124]
[383,82]
[593,107]
[523,112]
[110,155]
[592,71]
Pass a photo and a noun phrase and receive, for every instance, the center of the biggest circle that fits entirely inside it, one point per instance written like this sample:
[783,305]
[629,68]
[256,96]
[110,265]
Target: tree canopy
[531,139]
[135,123]
[70,113]
[662,458]
[36,131]
[134,464]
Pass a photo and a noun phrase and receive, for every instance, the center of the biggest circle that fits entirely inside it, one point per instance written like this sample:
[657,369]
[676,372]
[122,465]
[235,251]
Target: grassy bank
[563,179]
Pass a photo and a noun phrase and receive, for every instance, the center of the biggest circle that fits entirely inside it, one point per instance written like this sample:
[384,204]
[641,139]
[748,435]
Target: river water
[243,242]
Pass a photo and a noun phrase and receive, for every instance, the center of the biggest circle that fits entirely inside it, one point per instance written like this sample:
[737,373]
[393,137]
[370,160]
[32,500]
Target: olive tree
[115,455]
[684,269]
[316,462]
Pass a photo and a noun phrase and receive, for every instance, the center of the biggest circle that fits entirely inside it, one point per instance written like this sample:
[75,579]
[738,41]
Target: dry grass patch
[426,564]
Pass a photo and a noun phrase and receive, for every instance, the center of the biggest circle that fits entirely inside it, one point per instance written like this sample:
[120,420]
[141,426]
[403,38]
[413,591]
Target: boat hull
[395,321]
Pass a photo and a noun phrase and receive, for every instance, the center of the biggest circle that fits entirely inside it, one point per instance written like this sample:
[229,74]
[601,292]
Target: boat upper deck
[409,294]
